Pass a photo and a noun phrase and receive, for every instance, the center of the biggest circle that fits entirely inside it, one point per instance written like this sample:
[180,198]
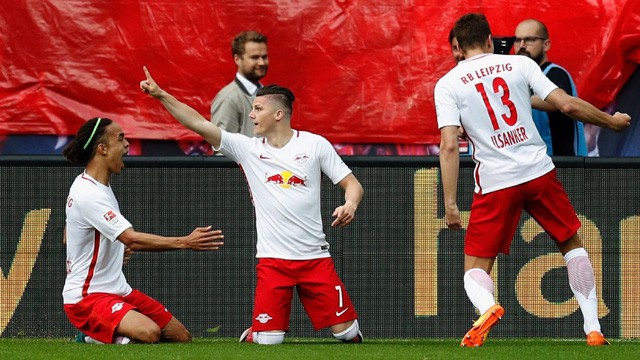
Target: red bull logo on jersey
[286,179]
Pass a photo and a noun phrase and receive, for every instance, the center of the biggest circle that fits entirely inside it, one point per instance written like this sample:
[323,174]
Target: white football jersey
[489,95]
[285,190]
[94,255]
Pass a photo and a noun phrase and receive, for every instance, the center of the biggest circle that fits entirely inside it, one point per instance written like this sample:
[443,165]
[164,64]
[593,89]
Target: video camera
[503,44]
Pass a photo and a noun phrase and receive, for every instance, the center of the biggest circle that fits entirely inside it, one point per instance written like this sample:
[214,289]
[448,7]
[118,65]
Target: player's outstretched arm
[202,238]
[186,115]
[581,110]
[353,193]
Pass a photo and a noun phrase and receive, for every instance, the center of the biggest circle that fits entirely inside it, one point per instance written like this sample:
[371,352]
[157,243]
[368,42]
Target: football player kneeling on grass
[97,298]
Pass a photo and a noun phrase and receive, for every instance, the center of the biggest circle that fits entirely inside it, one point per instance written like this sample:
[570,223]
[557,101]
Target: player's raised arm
[186,115]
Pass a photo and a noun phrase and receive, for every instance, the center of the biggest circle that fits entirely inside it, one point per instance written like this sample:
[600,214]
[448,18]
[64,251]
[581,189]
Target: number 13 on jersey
[509,115]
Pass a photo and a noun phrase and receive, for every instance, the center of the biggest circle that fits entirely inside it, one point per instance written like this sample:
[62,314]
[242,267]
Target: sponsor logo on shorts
[263,318]
[340,313]
[117,307]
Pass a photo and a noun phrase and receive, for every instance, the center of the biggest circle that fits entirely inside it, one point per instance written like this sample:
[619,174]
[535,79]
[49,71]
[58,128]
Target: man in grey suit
[231,106]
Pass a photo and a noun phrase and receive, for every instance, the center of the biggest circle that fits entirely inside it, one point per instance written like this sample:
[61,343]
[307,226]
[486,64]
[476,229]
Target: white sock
[268,338]
[121,340]
[479,288]
[350,333]
[583,284]
[89,340]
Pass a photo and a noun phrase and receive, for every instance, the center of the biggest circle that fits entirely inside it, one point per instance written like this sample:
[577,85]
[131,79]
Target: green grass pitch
[323,349]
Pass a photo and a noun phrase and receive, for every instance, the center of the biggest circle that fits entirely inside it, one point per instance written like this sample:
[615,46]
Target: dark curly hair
[81,149]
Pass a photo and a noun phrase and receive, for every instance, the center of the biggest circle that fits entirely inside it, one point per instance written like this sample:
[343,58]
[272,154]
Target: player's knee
[148,334]
[268,338]
[182,336]
[174,331]
[349,334]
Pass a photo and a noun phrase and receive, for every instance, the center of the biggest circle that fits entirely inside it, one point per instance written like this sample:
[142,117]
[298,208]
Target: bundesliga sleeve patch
[109,216]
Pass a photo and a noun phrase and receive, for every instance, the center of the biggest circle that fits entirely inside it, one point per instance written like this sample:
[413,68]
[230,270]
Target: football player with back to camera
[283,168]
[489,95]
[97,298]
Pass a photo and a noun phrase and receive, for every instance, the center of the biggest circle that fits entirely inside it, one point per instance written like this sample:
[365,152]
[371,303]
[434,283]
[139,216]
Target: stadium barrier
[401,265]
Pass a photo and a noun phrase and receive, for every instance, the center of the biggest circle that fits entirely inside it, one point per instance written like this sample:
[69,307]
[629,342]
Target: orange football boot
[480,330]
[595,338]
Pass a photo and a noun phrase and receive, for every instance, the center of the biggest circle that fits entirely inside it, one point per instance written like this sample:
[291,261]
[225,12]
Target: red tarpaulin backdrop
[363,71]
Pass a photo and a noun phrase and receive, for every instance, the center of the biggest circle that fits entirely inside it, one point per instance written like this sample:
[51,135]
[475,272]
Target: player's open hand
[149,85]
[203,238]
[621,121]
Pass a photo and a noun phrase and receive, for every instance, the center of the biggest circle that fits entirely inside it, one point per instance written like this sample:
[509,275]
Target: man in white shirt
[488,94]
[283,168]
[97,298]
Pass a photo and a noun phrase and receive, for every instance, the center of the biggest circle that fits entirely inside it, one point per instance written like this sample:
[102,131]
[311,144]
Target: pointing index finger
[146,72]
